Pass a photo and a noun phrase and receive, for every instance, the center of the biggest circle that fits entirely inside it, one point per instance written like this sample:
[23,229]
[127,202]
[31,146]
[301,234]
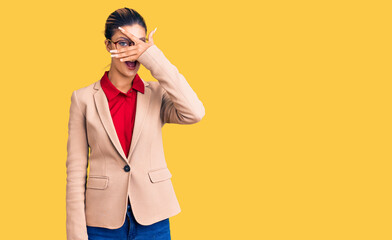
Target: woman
[115,127]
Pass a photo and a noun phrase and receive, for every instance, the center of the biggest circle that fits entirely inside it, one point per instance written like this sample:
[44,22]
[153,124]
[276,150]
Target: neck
[120,81]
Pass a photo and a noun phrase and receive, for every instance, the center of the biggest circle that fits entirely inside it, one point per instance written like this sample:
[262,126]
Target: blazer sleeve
[76,163]
[180,103]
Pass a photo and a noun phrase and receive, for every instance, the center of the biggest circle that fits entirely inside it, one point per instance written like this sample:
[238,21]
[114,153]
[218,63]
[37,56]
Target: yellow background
[296,140]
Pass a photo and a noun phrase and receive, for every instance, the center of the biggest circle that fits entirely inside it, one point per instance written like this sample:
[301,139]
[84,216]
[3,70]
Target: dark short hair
[122,17]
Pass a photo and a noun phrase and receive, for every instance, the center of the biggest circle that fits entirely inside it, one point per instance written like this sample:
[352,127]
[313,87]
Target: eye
[123,43]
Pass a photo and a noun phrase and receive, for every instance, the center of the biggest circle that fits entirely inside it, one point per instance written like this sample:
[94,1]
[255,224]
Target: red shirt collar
[111,91]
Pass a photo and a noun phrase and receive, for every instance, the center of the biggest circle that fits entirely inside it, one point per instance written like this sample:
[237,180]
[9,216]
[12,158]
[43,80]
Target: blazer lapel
[142,104]
[102,105]
[106,119]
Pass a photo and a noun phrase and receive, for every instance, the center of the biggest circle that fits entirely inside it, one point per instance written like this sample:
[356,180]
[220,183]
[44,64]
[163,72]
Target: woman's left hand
[132,53]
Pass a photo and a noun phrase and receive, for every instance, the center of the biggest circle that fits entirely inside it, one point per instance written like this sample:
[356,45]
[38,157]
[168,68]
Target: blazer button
[127,168]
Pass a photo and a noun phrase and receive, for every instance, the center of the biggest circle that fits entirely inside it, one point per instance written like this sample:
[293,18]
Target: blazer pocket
[159,175]
[97,182]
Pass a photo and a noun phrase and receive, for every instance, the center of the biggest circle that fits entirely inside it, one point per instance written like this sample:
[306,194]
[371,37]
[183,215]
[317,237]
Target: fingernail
[113,51]
[113,55]
[121,28]
[155,29]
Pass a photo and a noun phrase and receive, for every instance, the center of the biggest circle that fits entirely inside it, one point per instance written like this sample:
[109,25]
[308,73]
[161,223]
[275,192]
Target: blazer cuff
[149,57]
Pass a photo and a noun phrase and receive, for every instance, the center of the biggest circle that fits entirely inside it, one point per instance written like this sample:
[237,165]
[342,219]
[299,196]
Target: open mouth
[131,64]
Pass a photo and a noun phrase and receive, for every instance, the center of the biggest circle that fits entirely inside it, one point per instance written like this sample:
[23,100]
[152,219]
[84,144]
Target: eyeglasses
[120,44]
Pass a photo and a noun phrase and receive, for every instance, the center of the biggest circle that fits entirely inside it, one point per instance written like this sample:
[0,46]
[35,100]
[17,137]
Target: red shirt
[122,108]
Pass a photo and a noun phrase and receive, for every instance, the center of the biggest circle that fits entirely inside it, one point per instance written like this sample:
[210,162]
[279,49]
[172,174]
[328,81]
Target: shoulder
[84,95]
[85,90]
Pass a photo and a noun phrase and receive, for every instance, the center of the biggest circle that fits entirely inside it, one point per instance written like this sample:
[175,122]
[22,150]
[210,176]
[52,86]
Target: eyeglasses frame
[115,43]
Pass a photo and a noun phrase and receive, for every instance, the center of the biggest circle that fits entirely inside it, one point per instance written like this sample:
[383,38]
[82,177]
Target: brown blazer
[101,199]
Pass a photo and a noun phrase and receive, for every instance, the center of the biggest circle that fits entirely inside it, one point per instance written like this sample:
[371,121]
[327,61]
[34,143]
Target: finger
[129,48]
[126,54]
[150,36]
[131,58]
[130,35]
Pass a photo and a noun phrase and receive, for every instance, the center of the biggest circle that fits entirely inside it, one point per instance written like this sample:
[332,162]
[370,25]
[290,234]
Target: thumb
[150,36]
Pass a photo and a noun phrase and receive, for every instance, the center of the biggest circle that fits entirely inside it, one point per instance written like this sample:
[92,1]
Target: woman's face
[124,68]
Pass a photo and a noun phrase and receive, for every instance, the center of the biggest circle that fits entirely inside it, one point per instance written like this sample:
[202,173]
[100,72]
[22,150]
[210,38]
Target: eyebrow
[143,38]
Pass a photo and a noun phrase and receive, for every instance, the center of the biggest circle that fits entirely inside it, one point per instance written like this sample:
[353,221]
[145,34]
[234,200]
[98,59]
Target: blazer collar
[102,105]
[97,84]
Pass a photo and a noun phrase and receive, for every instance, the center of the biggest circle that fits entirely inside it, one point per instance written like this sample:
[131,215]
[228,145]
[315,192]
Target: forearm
[180,102]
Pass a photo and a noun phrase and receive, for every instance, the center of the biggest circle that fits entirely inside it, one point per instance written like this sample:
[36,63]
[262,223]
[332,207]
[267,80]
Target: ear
[108,45]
